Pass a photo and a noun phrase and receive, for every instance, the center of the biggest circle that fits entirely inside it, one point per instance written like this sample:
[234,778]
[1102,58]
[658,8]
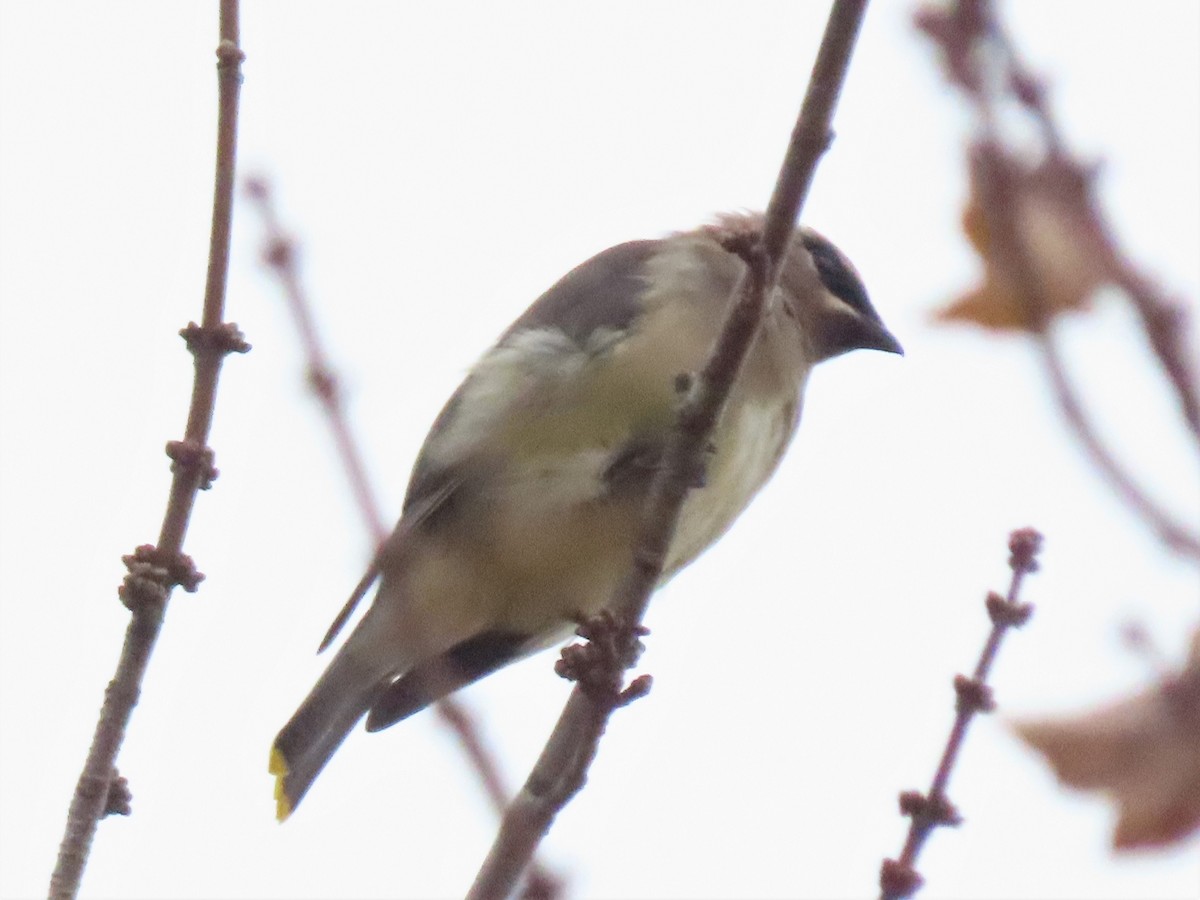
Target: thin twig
[155,570]
[562,767]
[1164,323]
[898,877]
[1170,532]
[1007,245]
[280,256]
[980,59]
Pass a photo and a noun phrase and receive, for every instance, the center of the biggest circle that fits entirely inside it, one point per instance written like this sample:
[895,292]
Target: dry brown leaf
[1051,209]
[1144,752]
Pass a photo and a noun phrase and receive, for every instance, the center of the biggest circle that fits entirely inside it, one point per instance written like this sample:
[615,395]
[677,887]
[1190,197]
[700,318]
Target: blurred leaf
[1144,752]
[1060,242]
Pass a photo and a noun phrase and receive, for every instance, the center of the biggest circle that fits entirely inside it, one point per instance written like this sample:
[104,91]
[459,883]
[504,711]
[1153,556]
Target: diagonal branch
[1164,322]
[980,59]
[155,570]
[1166,326]
[994,174]
[280,256]
[899,878]
[562,768]
[1169,531]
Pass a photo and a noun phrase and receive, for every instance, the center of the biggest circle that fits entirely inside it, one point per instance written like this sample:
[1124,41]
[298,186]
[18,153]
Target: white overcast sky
[443,164]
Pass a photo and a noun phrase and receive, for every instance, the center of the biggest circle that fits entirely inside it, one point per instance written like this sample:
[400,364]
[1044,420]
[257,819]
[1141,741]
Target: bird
[524,502]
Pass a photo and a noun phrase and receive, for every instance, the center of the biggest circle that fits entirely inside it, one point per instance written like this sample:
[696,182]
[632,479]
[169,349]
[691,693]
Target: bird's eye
[837,274]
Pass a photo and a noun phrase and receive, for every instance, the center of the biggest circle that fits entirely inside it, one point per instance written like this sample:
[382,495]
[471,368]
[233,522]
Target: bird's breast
[748,445]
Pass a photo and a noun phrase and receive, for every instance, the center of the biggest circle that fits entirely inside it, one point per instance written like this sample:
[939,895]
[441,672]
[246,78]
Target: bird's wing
[528,394]
[593,304]
[428,505]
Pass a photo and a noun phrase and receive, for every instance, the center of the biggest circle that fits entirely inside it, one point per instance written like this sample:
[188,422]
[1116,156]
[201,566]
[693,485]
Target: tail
[341,697]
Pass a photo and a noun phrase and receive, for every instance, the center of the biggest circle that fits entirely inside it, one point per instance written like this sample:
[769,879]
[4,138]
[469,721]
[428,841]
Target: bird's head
[819,287]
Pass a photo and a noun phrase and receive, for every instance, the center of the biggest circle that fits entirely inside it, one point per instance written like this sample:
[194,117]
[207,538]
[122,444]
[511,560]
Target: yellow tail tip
[279,768]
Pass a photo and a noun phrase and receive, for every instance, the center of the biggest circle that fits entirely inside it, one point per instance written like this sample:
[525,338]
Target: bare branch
[280,255]
[1166,325]
[562,768]
[979,58]
[155,570]
[898,877]
[995,177]
[1170,532]
[1164,322]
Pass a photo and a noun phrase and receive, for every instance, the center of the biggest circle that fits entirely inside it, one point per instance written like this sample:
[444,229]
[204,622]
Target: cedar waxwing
[525,500]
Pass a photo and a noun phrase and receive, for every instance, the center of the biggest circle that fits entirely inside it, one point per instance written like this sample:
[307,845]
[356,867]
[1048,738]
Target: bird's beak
[846,333]
[877,337]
